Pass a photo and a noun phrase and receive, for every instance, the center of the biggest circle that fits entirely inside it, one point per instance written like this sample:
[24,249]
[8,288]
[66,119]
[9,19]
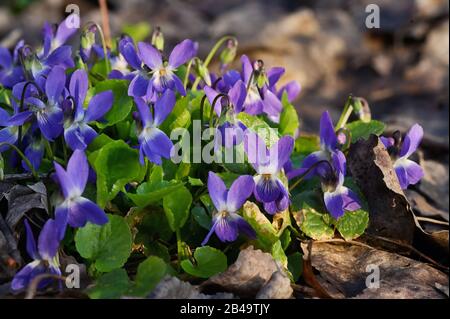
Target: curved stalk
[211,55]
[25,159]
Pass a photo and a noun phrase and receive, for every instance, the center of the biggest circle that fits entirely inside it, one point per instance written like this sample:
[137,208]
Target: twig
[338,240]
[431,220]
[32,288]
[105,21]
[308,274]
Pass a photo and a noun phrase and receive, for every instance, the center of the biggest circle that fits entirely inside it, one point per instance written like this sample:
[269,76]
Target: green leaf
[269,134]
[265,233]
[195,181]
[176,206]
[107,246]
[313,223]
[98,142]
[112,285]
[353,224]
[295,265]
[208,262]
[307,144]
[201,217]
[179,117]
[122,103]
[149,274]
[361,130]
[289,122]
[116,164]
[139,31]
[150,193]
[278,253]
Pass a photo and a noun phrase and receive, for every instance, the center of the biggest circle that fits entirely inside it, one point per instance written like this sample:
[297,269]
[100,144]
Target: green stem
[211,55]
[105,50]
[211,113]
[348,109]
[188,70]
[48,149]
[302,177]
[25,159]
[180,252]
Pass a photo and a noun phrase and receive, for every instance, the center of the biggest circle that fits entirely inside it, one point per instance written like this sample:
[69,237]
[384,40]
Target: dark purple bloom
[77,133]
[268,164]
[75,209]
[337,197]
[161,74]
[9,133]
[46,110]
[11,72]
[408,172]
[329,149]
[44,254]
[34,149]
[154,143]
[226,223]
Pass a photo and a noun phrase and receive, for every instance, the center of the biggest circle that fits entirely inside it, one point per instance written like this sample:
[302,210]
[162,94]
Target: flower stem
[48,149]
[188,70]
[104,46]
[348,109]
[302,177]
[211,55]
[25,159]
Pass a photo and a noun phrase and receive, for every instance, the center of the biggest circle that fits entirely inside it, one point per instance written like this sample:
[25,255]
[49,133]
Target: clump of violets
[408,172]
[226,223]
[44,254]
[50,115]
[75,209]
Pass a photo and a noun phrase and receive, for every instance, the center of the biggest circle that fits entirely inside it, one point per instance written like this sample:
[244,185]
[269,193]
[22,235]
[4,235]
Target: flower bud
[260,73]
[158,39]
[229,53]
[202,71]
[362,109]
[87,41]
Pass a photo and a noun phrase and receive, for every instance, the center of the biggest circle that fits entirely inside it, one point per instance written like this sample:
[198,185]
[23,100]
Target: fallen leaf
[347,267]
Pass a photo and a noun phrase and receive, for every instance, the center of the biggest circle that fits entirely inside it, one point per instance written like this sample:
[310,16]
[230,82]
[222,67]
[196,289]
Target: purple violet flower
[75,209]
[77,133]
[45,254]
[329,150]
[226,223]
[11,72]
[46,110]
[408,172]
[268,164]
[154,143]
[161,75]
[337,197]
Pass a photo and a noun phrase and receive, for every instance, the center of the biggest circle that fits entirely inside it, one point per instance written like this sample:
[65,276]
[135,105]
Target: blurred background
[401,68]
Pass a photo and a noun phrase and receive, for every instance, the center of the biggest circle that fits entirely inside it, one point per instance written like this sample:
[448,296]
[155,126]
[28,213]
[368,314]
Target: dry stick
[431,220]
[338,240]
[32,288]
[308,274]
[407,246]
[105,21]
